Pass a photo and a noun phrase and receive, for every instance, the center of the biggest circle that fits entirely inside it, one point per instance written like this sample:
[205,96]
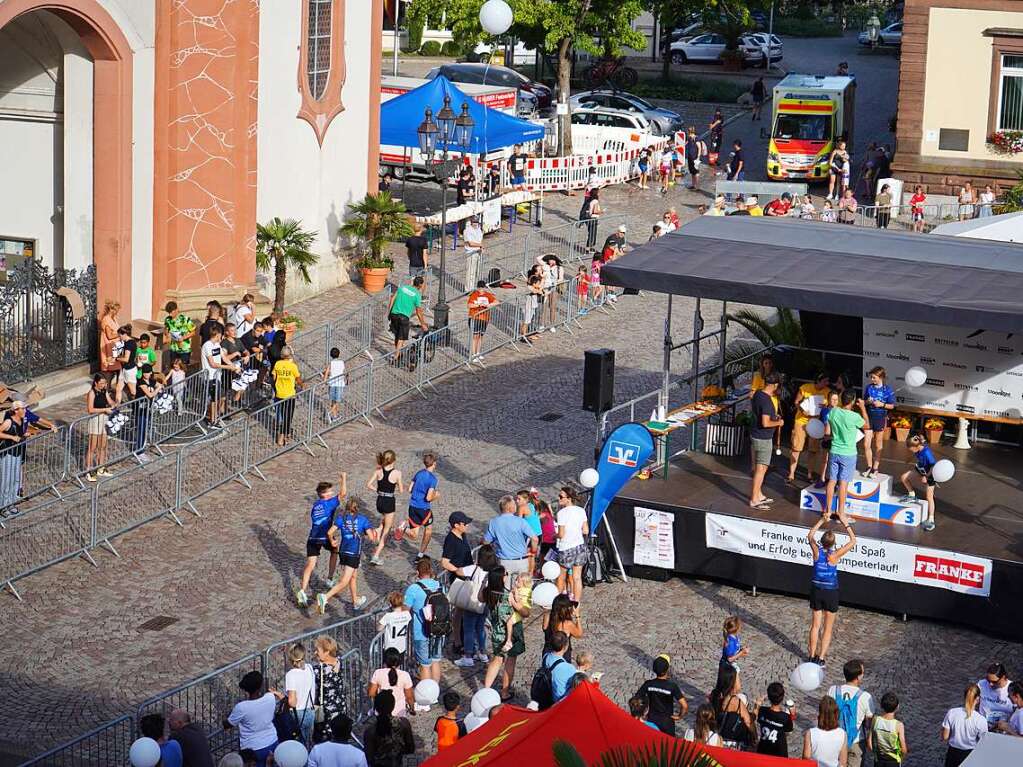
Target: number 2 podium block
[867,498]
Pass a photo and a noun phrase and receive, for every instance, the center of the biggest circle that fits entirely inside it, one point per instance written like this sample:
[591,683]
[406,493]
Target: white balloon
[943,470]
[496,16]
[807,676]
[589,478]
[916,376]
[859,435]
[550,570]
[544,593]
[291,753]
[427,692]
[144,752]
[815,428]
[473,722]
[484,700]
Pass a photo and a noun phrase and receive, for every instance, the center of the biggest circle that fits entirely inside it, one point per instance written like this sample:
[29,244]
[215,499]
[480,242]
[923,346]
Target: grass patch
[710,90]
[793,27]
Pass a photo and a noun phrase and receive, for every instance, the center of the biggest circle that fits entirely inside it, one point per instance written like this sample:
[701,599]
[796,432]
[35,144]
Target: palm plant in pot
[374,221]
[283,244]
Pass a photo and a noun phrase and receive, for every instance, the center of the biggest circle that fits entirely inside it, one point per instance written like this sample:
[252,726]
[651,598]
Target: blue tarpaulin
[402,115]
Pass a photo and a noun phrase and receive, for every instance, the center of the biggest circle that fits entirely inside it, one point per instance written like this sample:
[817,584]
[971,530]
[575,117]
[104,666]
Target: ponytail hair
[392,659]
[352,506]
[383,704]
[705,723]
[492,590]
[971,698]
[386,458]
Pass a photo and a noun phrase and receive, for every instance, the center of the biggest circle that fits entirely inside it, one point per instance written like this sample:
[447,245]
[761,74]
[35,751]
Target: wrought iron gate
[39,330]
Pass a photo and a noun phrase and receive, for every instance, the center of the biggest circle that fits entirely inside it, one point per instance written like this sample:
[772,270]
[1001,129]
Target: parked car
[681,34]
[662,121]
[760,39]
[709,47]
[492,74]
[610,118]
[520,54]
[890,35]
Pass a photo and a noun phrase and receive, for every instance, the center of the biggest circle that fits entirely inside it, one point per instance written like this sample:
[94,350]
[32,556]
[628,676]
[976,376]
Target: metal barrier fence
[903,217]
[103,747]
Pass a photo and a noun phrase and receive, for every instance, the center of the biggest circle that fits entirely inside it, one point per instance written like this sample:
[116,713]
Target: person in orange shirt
[449,727]
[480,301]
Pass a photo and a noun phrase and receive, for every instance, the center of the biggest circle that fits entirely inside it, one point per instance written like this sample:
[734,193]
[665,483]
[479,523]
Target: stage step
[868,498]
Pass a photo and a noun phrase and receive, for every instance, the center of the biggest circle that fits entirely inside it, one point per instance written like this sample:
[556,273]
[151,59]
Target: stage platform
[968,570]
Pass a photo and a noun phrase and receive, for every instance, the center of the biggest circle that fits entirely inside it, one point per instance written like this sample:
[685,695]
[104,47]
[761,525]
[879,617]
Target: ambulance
[810,114]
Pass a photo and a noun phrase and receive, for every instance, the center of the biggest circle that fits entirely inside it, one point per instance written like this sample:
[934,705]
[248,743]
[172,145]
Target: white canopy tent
[996,750]
[1007,227]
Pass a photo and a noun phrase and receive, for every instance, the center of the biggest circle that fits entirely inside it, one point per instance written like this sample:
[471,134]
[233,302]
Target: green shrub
[857,16]
[415,33]
[806,28]
[710,90]
[451,48]
[430,48]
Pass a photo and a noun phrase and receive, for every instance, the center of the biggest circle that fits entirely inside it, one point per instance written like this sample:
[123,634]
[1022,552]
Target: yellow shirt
[285,377]
[757,384]
[808,390]
[525,596]
[756,210]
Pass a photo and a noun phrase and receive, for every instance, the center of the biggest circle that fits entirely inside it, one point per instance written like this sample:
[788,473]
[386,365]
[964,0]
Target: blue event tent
[402,115]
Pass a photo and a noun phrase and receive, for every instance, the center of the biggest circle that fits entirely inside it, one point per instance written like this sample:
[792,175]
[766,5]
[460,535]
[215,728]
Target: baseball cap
[459,518]
[622,228]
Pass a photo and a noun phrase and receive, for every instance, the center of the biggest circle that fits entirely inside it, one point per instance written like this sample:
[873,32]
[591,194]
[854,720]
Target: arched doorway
[111,54]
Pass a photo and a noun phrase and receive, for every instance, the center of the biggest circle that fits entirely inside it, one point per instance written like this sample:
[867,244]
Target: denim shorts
[337,393]
[841,467]
[428,651]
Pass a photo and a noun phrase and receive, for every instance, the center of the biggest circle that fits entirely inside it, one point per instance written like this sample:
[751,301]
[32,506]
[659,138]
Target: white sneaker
[374,560]
[421,708]
[331,582]
[360,602]
[464,662]
[482,657]
[554,330]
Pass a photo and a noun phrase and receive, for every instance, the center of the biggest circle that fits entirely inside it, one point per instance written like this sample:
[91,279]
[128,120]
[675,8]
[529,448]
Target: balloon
[496,16]
[427,692]
[859,435]
[815,428]
[807,676]
[943,470]
[550,570]
[589,478]
[473,722]
[544,593]
[916,376]
[291,753]
[144,752]
[484,700]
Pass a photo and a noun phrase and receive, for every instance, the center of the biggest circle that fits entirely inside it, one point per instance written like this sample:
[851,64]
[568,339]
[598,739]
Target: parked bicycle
[611,72]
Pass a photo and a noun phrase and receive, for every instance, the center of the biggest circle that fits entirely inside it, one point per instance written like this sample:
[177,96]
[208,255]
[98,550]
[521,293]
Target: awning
[834,269]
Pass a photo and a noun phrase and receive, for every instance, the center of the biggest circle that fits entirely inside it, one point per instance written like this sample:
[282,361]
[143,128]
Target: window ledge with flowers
[1007,142]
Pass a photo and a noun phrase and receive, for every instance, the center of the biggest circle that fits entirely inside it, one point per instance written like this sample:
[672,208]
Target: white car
[611,118]
[709,47]
[890,35]
[521,55]
[760,40]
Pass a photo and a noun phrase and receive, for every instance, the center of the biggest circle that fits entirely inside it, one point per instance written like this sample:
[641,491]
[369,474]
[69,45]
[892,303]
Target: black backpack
[436,613]
[541,690]
[286,722]
[595,570]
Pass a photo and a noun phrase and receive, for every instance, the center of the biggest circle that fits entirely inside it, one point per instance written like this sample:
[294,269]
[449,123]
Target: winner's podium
[868,498]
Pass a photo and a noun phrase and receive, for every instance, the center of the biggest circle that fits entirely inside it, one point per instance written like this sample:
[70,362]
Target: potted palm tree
[282,245]
[374,221]
[783,329]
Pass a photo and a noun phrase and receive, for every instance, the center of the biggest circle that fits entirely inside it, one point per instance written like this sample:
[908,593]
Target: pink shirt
[381,680]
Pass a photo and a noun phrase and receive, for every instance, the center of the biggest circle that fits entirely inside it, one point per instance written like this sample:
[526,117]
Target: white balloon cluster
[115,422]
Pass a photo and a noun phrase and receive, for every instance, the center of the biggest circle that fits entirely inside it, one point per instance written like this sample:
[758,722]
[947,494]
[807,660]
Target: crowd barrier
[900,217]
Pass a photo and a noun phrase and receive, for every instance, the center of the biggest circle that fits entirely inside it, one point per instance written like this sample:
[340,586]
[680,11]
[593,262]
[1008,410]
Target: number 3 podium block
[868,498]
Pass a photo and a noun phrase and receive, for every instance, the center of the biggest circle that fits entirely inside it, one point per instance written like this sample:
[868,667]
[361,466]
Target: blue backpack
[847,708]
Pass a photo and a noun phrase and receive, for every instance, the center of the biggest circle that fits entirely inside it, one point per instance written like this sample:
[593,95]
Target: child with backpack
[553,680]
[431,619]
[448,727]
[855,710]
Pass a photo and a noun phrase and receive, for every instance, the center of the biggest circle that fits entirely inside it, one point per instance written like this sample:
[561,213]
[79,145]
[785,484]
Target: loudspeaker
[599,380]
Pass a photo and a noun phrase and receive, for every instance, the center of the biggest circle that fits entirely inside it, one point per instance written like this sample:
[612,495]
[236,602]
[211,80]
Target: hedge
[430,48]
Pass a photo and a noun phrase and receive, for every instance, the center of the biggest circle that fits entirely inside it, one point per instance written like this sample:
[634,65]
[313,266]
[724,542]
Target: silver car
[663,122]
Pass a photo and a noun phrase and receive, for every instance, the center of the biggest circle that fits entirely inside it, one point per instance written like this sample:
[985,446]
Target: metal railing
[103,747]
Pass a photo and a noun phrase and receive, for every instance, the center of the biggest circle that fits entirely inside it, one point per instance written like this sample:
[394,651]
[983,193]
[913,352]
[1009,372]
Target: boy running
[351,526]
[423,492]
[322,534]
[925,461]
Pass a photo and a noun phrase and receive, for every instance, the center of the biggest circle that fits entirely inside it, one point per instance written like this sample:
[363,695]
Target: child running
[880,400]
[385,481]
[322,534]
[352,526]
[924,466]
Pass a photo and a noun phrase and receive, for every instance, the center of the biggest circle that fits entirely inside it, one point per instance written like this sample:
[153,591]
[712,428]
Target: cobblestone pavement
[73,653]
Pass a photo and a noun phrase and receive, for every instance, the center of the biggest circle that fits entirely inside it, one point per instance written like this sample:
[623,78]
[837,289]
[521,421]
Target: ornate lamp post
[448,130]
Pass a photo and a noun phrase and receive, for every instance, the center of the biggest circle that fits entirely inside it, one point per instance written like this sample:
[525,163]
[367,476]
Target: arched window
[321,63]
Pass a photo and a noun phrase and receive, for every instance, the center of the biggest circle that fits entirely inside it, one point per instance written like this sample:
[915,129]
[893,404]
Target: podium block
[867,498]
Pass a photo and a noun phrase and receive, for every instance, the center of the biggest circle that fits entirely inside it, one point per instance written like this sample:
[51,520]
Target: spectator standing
[887,736]
[287,381]
[916,206]
[12,431]
[480,302]
[884,206]
[428,649]
[406,301]
[335,376]
[847,207]
[704,729]
[524,508]
[152,726]
[639,707]
[826,742]
[322,535]
[824,588]
[448,727]
[298,686]
[759,93]
[99,402]
[963,727]
[337,752]
[562,617]
[243,316]
[517,167]
[128,359]
[501,602]
[395,624]
[422,494]
[693,151]
[737,162]
[472,240]
[330,691]
[148,388]
[855,710]
[845,425]
[765,422]
[774,722]
[643,162]
[393,679]
[880,401]
[1014,726]
[213,364]
[145,354]
[667,703]
[589,213]
[416,247]
[967,201]
[836,162]
[986,199]
[195,745]
[385,481]
[108,327]
[717,132]
[512,536]
[573,553]
[562,671]
[179,328]
[214,321]
[388,739]
[735,724]
[254,717]
[456,558]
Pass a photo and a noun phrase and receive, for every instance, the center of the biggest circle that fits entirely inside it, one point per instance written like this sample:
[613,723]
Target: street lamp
[447,130]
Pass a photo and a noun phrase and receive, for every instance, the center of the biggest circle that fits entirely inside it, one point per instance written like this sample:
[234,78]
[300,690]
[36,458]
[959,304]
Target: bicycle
[613,72]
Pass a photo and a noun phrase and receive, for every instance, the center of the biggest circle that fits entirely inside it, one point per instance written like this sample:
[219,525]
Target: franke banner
[973,371]
[873,558]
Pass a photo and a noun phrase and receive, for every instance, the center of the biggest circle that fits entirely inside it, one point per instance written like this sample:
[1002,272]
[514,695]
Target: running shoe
[908,498]
[360,602]
[331,582]
[928,525]
[375,560]
[301,598]
[465,662]
[321,603]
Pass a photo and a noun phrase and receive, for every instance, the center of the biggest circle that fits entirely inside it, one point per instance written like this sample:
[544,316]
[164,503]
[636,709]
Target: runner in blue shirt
[321,519]
[880,400]
[824,587]
[925,461]
[423,492]
[350,526]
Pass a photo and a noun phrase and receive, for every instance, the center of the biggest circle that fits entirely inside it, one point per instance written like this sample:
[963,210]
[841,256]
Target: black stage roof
[833,268]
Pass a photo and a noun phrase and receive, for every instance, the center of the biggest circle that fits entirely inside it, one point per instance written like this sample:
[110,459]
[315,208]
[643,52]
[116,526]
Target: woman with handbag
[331,699]
[735,724]
[464,594]
[298,684]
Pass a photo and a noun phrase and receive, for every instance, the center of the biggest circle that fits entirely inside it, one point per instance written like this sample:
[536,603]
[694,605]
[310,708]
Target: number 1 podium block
[867,498]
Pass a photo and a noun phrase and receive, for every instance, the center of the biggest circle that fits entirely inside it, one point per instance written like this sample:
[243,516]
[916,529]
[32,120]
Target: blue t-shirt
[533,520]
[731,648]
[561,674]
[415,601]
[170,754]
[925,460]
[352,528]
[825,574]
[511,533]
[322,517]
[651,724]
[882,393]
[422,483]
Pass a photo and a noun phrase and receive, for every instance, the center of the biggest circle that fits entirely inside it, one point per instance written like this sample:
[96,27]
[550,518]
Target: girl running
[385,481]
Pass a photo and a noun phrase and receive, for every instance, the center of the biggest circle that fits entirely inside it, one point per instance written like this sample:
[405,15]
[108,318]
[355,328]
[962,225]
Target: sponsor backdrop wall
[968,370]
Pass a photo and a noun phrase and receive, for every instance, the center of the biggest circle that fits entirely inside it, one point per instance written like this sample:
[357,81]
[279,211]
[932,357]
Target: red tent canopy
[588,720]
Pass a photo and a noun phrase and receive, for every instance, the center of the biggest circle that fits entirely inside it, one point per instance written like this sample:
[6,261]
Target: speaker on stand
[598,386]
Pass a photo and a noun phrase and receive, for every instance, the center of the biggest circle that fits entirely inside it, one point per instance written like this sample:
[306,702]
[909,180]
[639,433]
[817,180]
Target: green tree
[377,219]
[679,753]
[280,245]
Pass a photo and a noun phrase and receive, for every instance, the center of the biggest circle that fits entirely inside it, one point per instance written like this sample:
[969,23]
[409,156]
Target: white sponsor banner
[874,558]
[655,538]
[968,370]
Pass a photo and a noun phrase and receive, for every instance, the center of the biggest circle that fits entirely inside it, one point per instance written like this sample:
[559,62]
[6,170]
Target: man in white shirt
[853,671]
[337,752]
[573,553]
[472,239]
[254,717]
[213,361]
[1015,724]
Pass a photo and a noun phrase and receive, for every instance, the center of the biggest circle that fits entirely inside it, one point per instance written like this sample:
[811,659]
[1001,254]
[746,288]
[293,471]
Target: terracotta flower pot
[901,434]
[373,280]
[934,435]
[289,328]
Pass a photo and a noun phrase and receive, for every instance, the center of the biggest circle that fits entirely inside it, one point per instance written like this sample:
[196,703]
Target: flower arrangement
[287,318]
[901,422]
[1006,142]
[934,424]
